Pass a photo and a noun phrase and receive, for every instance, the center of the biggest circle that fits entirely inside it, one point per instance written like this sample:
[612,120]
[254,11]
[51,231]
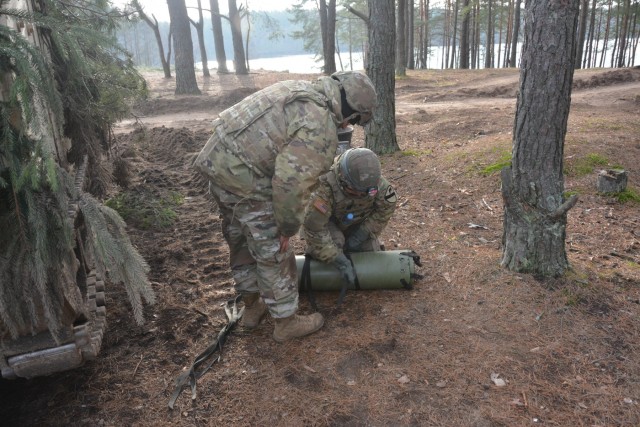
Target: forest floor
[472,344]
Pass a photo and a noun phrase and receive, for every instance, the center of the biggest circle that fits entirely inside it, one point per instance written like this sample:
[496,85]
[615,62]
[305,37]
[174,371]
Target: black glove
[356,239]
[345,267]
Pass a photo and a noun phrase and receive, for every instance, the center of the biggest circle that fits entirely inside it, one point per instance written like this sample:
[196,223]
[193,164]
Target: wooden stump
[612,180]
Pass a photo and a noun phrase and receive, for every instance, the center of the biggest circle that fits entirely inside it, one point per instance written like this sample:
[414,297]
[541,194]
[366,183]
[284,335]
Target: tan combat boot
[254,309]
[296,326]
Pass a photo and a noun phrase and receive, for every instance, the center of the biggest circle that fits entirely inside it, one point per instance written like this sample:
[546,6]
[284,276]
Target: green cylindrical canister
[374,270]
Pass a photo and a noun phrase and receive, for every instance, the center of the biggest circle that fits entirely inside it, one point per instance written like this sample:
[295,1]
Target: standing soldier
[264,156]
[351,206]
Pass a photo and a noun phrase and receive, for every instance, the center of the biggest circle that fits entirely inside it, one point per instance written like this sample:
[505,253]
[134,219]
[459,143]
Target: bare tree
[489,51]
[464,35]
[607,29]
[328,30]
[218,38]
[535,210]
[587,61]
[239,58]
[381,131]
[515,34]
[454,36]
[199,26]
[622,34]
[423,34]
[410,23]
[401,41]
[582,31]
[156,31]
[186,83]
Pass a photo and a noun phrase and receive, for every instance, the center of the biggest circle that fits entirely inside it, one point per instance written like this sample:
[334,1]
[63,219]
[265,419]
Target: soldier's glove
[356,239]
[345,267]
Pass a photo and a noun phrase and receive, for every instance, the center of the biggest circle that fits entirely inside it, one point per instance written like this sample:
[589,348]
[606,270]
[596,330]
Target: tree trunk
[199,26]
[423,34]
[239,58]
[498,59]
[330,61]
[535,212]
[380,136]
[622,35]
[186,83]
[582,32]
[605,41]
[218,38]
[166,68]
[410,23]
[616,30]
[488,58]
[592,29]
[446,40]
[401,41]
[508,34]
[454,37]
[328,34]
[516,32]
[464,36]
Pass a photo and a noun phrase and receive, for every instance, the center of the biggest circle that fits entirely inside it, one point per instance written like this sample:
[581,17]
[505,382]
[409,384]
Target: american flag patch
[321,205]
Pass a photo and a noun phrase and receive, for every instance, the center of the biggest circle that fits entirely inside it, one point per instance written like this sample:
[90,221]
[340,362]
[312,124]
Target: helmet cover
[359,91]
[359,169]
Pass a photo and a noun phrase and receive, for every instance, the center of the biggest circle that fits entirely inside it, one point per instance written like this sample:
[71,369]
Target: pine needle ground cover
[470,345]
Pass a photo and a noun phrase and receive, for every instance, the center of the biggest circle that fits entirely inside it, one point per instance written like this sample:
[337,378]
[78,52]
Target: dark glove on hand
[345,267]
[356,239]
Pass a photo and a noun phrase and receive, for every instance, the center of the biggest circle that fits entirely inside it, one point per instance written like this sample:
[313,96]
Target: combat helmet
[359,172]
[359,91]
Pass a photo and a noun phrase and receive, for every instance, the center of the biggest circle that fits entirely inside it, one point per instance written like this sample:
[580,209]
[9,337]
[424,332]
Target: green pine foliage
[40,246]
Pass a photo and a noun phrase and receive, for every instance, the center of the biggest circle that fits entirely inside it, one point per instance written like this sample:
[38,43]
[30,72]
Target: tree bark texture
[239,58]
[186,83]
[199,26]
[535,212]
[380,135]
[401,41]
[464,36]
[454,38]
[328,34]
[410,25]
[488,57]
[218,38]
[516,33]
[582,31]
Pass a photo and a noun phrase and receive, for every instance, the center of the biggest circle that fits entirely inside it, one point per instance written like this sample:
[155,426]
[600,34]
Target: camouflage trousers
[339,238]
[250,229]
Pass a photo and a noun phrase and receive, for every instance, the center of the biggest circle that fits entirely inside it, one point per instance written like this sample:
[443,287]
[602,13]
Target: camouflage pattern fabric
[274,144]
[257,265]
[262,160]
[326,224]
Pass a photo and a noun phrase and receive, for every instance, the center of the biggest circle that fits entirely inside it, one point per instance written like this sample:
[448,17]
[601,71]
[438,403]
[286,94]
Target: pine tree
[65,96]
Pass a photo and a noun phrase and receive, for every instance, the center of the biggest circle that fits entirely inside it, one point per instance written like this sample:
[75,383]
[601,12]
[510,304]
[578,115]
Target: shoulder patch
[321,205]
[390,196]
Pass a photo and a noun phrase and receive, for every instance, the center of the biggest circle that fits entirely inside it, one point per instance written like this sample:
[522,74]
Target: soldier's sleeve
[312,143]
[319,243]
[384,206]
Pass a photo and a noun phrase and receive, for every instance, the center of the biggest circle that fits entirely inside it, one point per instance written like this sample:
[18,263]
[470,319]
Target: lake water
[306,63]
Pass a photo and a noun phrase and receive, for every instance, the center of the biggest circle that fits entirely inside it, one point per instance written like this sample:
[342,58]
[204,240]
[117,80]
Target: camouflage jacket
[274,144]
[329,203]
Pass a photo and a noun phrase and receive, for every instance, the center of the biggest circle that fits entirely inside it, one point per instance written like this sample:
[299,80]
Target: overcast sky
[160,10]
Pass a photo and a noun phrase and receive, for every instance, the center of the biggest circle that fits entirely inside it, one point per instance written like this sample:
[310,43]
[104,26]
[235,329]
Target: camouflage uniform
[263,159]
[327,223]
